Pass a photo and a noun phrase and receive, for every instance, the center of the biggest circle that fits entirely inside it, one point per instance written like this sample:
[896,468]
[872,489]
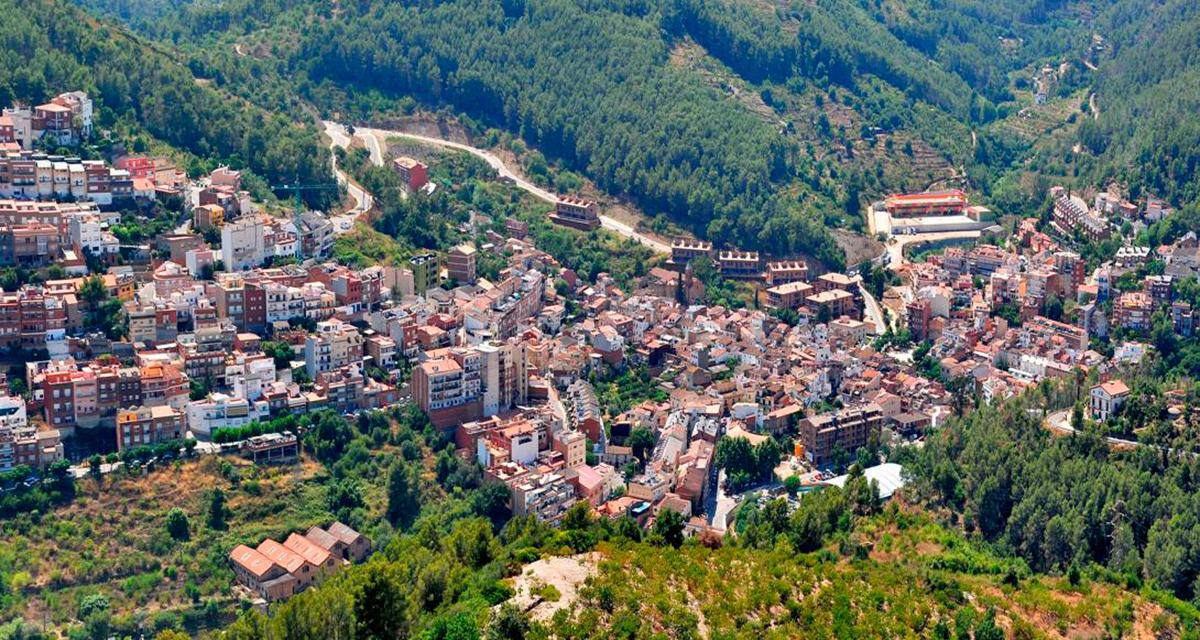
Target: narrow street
[875,313]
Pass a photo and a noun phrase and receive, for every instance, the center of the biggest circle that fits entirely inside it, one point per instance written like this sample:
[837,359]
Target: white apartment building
[14,426]
[333,345]
[219,411]
[89,233]
[242,243]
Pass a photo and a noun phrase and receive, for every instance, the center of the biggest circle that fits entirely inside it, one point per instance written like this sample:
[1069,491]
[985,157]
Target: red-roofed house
[1107,398]
[291,562]
[261,574]
[322,561]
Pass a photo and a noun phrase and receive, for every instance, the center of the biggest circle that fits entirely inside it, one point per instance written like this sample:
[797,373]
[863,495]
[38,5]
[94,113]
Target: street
[362,200]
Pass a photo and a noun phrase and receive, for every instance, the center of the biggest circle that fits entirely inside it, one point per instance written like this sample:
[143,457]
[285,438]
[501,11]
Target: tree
[92,292]
[509,623]
[95,469]
[343,498]
[403,495]
[457,626]
[217,512]
[1077,416]
[792,485]
[177,524]
[669,526]
[379,602]
[491,501]
[641,441]
[91,604]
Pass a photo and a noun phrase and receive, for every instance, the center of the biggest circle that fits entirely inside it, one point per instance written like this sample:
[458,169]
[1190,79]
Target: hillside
[891,574]
[1147,133]
[145,89]
[750,122]
[754,124]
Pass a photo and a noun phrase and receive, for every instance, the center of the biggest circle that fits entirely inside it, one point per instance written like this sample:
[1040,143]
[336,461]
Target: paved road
[897,244]
[723,505]
[362,200]
[371,137]
[1061,421]
[874,311]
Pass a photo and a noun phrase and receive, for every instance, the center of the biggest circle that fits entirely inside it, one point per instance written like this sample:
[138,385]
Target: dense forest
[1071,502]
[1146,133]
[589,87]
[47,47]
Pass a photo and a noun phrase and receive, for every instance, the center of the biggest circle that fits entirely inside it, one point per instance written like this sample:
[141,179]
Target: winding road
[1061,421]
[362,200]
[372,139]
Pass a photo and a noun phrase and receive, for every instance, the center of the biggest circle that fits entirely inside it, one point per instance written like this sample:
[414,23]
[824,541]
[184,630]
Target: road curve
[1061,421]
[897,244]
[362,200]
[371,137]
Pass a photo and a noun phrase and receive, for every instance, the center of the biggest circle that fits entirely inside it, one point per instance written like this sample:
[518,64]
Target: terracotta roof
[1114,388]
[250,560]
[281,555]
[344,533]
[306,548]
[322,538]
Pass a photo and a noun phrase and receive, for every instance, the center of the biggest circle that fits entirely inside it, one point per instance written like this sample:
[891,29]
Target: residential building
[460,264]
[413,173]
[576,212]
[220,411]
[333,345]
[144,426]
[1107,398]
[845,430]
[242,244]
[739,264]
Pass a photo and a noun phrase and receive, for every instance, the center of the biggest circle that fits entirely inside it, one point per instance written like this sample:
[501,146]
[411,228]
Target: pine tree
[217,512]
[403,499]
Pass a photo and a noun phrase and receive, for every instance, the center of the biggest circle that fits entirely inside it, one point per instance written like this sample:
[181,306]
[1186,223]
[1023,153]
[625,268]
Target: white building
[14,426]
[242,243]
[1107,398]
[219,411]
[249,378]
[87,232]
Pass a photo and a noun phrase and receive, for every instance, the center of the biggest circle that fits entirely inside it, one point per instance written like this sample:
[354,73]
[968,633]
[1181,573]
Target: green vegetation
[839,566]
[50,46]
[25,491]
[632,123]
[1059,502]
[631,387]
[430,222]
[156,538]
[747,464]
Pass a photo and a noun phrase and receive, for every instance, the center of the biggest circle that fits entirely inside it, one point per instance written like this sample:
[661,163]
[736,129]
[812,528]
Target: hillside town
[235,316]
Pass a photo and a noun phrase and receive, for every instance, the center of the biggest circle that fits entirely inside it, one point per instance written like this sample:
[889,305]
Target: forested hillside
[814,108]
[590,87]
[48,46]
[1070,502]
[1147,132]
